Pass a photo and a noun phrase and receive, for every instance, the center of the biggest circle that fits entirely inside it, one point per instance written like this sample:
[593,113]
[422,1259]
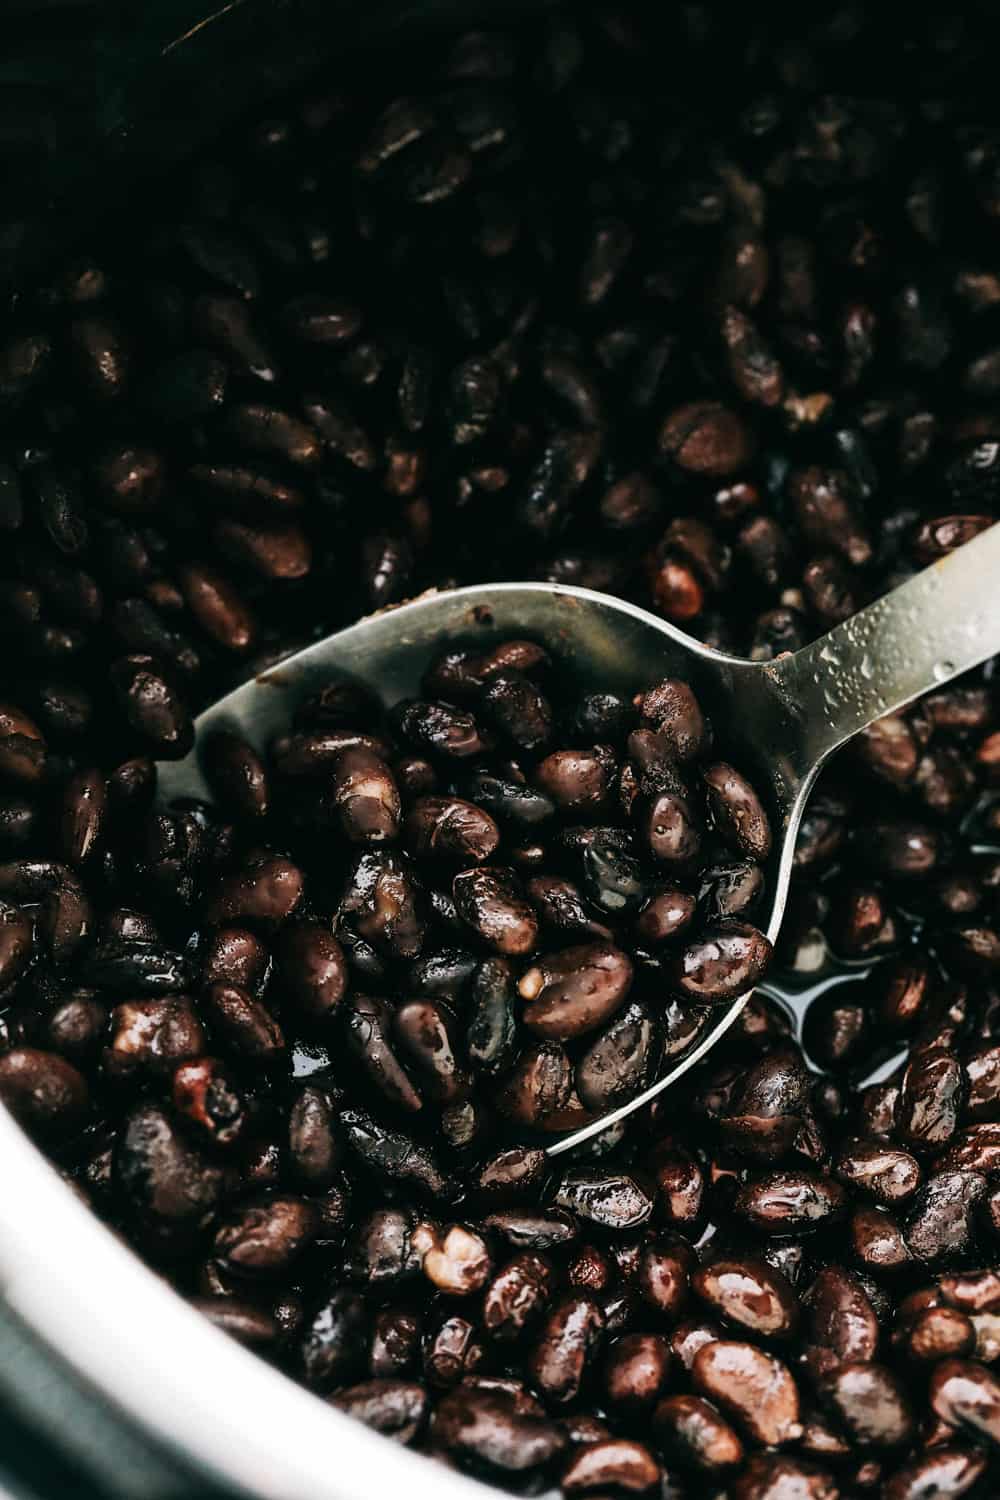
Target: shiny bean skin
[611,1200]
[725,963]
[485,1430]
[266,890]
[789,1202]
[263,1239]
[754,1387]
[517,709]
[575,990]
[243,1025]
[619,1463]
[516,1296]
[636,1371]
[450,828]
[365,797]
[768,1476]
[312,972]
[694,1434]
[491,902]
[427,1035]
[44,1092]
[702,316]
[737,811]
[382,903]
[869,1402]
[577,780]
[750,1294]
[888,1173]
[842,1325]
[950,1470]
[620,1061]
[149,1037]
[237,774]
[569,1341]
[170,1187]
[537,1086]
[396,1408]
[369,1028]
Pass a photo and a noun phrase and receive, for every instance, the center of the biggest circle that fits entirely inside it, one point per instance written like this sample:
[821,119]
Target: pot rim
[128,1335]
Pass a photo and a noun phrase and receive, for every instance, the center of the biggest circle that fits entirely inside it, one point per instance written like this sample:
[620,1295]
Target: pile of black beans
[697,307]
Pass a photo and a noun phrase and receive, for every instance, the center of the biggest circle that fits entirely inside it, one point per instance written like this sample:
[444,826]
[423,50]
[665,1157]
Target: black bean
[569,1341]
[575,990]
[450,828]
[725,963]
[332,1346]
[693,1433]
[485,1430]
[43,1091]
[491,902]
[754,1387]
[393,1156]
[168,1185]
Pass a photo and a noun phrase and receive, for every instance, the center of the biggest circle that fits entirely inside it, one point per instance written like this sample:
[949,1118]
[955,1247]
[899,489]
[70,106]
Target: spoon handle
[930,629]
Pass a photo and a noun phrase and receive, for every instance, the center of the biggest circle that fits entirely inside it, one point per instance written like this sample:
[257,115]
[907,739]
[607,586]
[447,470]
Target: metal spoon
[782,718]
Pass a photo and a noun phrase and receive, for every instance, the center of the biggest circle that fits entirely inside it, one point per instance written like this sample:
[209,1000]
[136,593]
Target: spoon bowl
[782,718]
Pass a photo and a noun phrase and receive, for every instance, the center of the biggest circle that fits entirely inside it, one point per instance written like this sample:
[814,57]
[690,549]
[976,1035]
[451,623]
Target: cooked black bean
[243,1025]
[266,889]
[507,799]
[312,972]
[949,1470]
[841,1322]
[170,1188]
[610,1199]
[395,1348]
[450,828]
[694,1434]
[747,1292]
[149,1037]
[518,710]
[768,1106]
[789,1202]
[754,1387]
[685,357]
[332,1346]
[396,1408]
[575,990]
[491,902]
[737,811]
[620,1061]
[393,1156]
[47,1094]
[151,706]
[364,797]
[568,1343]
[869,1403]
[939,1225]
[725,963]
[426,1033]
[490,1431]
[382,903]
[439,729]
[538,1085]
[369,1023]
[453,1351]
[612,876]
[64,913]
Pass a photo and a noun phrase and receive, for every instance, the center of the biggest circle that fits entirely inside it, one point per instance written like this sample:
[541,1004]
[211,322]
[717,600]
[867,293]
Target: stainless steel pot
[95,1350]
[142,1390]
